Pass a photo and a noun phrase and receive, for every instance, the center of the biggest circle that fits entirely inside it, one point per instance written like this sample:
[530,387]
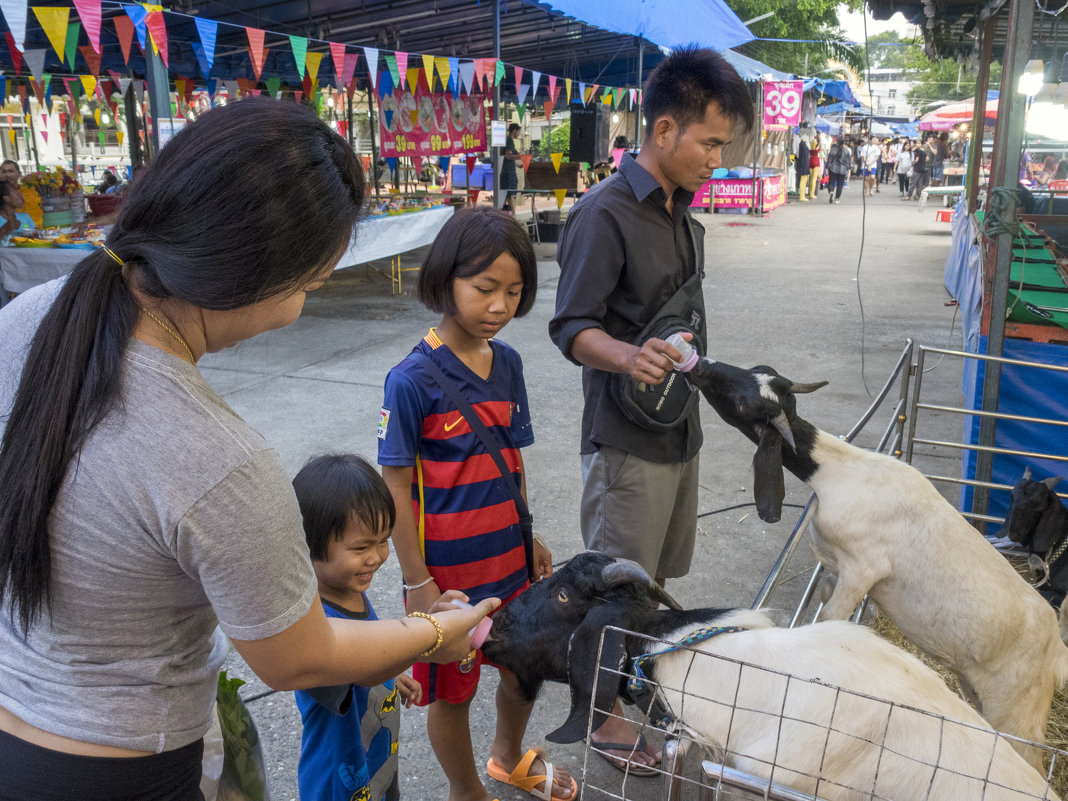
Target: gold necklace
[173,333]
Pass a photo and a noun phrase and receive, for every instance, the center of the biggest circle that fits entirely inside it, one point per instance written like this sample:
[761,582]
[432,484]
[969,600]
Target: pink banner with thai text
[424,124]
[782,104]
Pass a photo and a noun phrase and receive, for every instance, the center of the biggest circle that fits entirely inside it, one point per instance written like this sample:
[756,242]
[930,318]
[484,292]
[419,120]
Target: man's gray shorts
[640,510]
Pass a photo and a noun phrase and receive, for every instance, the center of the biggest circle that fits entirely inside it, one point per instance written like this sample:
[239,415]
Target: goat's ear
[585,671]
[1052,481]
[1048,529]
[768,486]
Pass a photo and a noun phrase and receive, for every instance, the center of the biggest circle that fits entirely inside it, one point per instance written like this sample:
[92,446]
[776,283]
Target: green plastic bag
[244,777]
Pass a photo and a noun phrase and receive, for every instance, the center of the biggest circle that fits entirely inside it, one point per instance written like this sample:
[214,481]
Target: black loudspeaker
[589,134]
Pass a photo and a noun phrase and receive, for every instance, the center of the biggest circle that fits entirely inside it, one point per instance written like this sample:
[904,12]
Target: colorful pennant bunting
[299,45]
[53,21]
[208,30]
[255,49]
[89,13]
[15,16]
[371,54]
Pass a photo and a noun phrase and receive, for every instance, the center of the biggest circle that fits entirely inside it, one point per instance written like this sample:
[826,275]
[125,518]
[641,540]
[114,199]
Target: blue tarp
[838,89]
[752,70]
[668,23]
[838,108]
[827,127]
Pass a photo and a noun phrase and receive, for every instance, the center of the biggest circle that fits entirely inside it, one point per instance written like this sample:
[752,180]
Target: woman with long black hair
[142,522]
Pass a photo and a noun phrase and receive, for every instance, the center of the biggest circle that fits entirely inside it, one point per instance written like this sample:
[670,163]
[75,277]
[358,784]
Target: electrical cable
[864,216]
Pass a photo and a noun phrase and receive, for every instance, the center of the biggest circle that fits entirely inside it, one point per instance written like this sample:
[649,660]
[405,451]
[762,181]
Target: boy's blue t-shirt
[348,749]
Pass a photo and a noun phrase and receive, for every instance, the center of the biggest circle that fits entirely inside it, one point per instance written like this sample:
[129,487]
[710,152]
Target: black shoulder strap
[477,426]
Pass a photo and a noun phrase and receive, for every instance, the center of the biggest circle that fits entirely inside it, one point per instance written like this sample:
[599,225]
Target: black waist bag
[663,406]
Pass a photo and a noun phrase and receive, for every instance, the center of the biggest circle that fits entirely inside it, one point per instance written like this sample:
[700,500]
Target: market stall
[23,268]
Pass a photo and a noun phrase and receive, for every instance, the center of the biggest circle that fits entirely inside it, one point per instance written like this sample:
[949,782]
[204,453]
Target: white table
[948,192]
[24,268]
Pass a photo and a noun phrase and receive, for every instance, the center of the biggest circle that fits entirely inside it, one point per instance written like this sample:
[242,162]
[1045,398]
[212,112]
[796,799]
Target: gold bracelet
[437,626]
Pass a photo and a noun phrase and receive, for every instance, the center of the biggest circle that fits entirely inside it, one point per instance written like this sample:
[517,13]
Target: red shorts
[455,682]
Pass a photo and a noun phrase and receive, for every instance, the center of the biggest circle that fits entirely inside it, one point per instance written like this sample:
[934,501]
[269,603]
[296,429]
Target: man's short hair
[685,82]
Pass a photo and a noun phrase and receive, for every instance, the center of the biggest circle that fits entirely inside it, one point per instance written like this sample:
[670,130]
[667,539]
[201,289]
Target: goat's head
[552,632]
[761,404]
[1035,517]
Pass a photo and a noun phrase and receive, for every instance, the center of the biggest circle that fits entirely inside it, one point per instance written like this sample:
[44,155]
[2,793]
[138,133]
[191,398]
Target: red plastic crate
[943,215]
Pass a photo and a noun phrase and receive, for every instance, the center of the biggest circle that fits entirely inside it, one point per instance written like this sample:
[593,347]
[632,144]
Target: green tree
[558,141]
[888,50]
[815,20]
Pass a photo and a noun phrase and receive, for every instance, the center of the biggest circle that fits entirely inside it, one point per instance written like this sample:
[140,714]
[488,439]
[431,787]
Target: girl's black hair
[331,489]
[469,243]
[685,82]
[207,225]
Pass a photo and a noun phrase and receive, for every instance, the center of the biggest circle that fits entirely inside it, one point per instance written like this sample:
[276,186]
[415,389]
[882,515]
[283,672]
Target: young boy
[349,744]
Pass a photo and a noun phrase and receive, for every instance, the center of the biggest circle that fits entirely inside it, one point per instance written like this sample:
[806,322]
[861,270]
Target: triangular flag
[274,85]
[472,194]
[391,68]
[92,58]
[470,163]
[300,52]
[89,83]
[53,21]
[552,87]
[480,73]
[385,84]
[255,49]
[388,114]
[523,90]
[337,55]
[232,89]
[428,70]
[350,68]
[138,15]
[402,68]
[16,53]
[518,78]
[298,95]
[124,85]
[617,155]
[392,164]
[312,61]
[72,85]
[71,47]
[38,90]
[535,79]
[617,97]
[567,86]
[582,92]
[96,116]
[444,70]
[179,87]
[454,71]
[35,60]
[417,162]
[592,91]
[343,128]
[548,109]
[633,94]
[124,27]
[15,16]
[120,136]
[158,29]
[371,54]
[560,195]
[557,158]
[213,88]
[498,73]
[413,79]
[198,51]
[139,90]
[525,158]
[521,110]
[89,13]
[467,75]
[606,98]
[209,31]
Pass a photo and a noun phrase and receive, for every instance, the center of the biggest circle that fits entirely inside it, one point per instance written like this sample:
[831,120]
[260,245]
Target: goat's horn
[782,425]
[622,571]
[801,389]
[1027,472]
[1052,481]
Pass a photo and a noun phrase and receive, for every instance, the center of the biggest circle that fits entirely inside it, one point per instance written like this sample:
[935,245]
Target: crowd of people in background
[915,164]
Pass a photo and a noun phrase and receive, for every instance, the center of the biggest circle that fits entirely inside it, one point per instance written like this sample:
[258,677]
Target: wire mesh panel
[744,730]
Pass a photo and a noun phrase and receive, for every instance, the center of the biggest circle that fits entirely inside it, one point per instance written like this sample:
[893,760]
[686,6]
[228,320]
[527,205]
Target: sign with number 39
[782,103]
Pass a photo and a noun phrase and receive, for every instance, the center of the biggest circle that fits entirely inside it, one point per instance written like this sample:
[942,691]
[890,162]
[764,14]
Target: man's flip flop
[522,778]
[622,763]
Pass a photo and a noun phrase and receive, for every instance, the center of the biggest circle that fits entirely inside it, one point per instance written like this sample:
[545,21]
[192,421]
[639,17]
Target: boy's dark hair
[467,244]
[685,82]
[331,489]
[513,127]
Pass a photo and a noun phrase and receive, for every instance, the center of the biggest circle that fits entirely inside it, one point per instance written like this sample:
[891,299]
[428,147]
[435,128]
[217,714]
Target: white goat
[883,530]
[841,746]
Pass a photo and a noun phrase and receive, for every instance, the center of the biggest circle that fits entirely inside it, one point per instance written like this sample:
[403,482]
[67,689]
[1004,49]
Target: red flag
[124,27]
[471,161]
[255,49]
[92,58]
[156,27]
[343,128]
[297,95]
[16,54]
[472,194]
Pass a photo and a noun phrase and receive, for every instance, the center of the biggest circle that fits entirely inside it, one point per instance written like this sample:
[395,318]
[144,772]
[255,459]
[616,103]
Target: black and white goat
[1037,520]
[766,696]
[883,530]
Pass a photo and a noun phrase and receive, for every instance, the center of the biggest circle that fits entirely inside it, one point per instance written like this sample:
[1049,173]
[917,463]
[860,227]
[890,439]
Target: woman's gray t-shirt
[175,521]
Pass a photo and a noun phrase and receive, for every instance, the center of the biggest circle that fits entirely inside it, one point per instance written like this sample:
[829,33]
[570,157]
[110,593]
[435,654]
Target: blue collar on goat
[636,683]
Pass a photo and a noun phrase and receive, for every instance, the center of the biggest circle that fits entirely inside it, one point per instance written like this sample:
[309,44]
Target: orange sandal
[521,778]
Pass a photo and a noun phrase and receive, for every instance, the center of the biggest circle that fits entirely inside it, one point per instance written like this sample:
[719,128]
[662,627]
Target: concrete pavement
[780,290]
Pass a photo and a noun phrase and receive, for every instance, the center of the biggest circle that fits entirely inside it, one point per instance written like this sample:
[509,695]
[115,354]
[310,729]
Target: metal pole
[33,142]
[975,151]
[159,94]
[1008,143]
[638,105]
[374,147]
[133,134]
[496,151]
[756,145]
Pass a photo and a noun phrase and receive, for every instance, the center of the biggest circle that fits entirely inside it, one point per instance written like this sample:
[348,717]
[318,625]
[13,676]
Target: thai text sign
[782,104]
[737,193]
[424,124]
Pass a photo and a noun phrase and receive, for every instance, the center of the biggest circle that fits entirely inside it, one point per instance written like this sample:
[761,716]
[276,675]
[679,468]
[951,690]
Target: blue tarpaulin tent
[751,70]
[837,89]
[668,23]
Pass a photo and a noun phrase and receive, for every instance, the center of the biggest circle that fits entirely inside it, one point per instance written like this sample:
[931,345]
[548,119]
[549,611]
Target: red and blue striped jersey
[470,532]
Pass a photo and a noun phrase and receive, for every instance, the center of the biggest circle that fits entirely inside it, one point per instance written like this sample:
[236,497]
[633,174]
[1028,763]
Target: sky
[853,24]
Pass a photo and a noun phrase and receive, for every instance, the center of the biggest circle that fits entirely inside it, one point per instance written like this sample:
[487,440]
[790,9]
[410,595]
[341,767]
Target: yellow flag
[428,68]
[413,79]
[120,136]
[567,85]
[88,83]
[560,195]
[11,135]
[557,158]
[444,70]
[96,116]
[54,20]
[312,61]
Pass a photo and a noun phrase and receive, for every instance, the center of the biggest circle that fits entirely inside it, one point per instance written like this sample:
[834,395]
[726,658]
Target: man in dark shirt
[509,177]
[626,247]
